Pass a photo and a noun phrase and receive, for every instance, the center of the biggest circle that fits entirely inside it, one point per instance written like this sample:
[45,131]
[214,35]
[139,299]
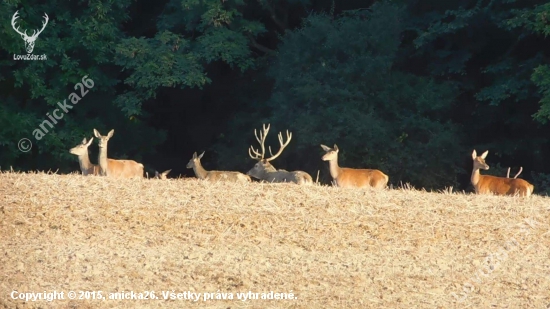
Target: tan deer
[81,150]
[349,177]
[264,171]
[486,184]
[161,175]
[112,167]
[201,173]
[508,173]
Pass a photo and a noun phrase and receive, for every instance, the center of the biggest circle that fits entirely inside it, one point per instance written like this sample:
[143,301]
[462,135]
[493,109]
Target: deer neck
[269,169]
[200,171]
[85,164]
[475,176]
[103,160]
[334,168]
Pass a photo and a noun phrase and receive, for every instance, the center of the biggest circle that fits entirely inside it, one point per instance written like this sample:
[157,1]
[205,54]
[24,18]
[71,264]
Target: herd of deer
[264,171]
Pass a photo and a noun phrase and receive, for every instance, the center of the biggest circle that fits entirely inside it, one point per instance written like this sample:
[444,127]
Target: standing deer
[264,171]
[81,150]
[115,168]
[162,175]
[486,184]
[508,173]
[201,173]
[349,177]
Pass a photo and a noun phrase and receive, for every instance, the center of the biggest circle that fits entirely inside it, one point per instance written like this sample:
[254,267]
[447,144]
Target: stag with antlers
[29,40]
[264,171]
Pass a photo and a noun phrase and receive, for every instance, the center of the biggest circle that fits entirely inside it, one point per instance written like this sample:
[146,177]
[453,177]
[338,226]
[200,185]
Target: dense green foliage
[78,42]
[407,87]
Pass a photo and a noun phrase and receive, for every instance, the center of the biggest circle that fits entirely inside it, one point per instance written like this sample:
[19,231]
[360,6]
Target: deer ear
[474,154]
[335,147]
[484,155]
[111,133]
[89,142]
[194,155]
[84,141]
[202,154]
[325,148]
[96,133]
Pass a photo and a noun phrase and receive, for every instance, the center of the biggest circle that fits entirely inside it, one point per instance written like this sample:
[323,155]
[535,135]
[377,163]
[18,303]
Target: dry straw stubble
[332,247]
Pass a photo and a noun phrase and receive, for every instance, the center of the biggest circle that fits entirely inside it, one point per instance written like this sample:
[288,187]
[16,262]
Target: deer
[112,167]
[29,40]
[486,184]
[161,175]
[81,150]
[201,173]
[264,171]
[349,177]
[508,173]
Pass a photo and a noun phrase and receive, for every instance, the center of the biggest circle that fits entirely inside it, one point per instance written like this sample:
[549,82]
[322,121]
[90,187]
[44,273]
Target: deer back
[124,168]
[361,178]
[503,186]
[303,178]
[227,176]
[299,177]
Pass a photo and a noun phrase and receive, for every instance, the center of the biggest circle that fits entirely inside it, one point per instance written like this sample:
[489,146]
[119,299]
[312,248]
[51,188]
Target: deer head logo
[29,40]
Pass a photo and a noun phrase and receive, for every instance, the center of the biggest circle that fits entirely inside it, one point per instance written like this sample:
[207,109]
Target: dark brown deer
[264,171]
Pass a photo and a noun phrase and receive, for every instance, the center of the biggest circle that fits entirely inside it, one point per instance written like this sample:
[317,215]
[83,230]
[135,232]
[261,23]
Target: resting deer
[81,150]
[162,175]
[201,173]
[349,177]
[115,168]
[508,174]
[264,171]
[486,184]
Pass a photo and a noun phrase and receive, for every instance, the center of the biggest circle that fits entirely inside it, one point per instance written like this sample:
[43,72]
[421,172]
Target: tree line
[406,87]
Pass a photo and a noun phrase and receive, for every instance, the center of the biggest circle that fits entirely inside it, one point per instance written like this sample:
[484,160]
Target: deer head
[479,162]
[29,40]
[162,175]
[195,160]
[82,148]
[103,140]
[331,153]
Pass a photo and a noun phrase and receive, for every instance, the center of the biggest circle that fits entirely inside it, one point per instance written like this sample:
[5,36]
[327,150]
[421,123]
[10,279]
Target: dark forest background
[407,87]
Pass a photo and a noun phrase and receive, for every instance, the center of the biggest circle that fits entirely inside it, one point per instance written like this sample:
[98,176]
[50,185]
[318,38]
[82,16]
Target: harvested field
[330,247]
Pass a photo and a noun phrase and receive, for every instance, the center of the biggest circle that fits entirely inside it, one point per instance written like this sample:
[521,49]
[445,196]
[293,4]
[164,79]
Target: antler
[283,145]
[520,170]
[34,33]
[43,26]
[15,16]
[261,140]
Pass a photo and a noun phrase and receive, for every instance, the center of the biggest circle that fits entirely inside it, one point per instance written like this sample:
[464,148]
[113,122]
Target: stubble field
[324,247]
